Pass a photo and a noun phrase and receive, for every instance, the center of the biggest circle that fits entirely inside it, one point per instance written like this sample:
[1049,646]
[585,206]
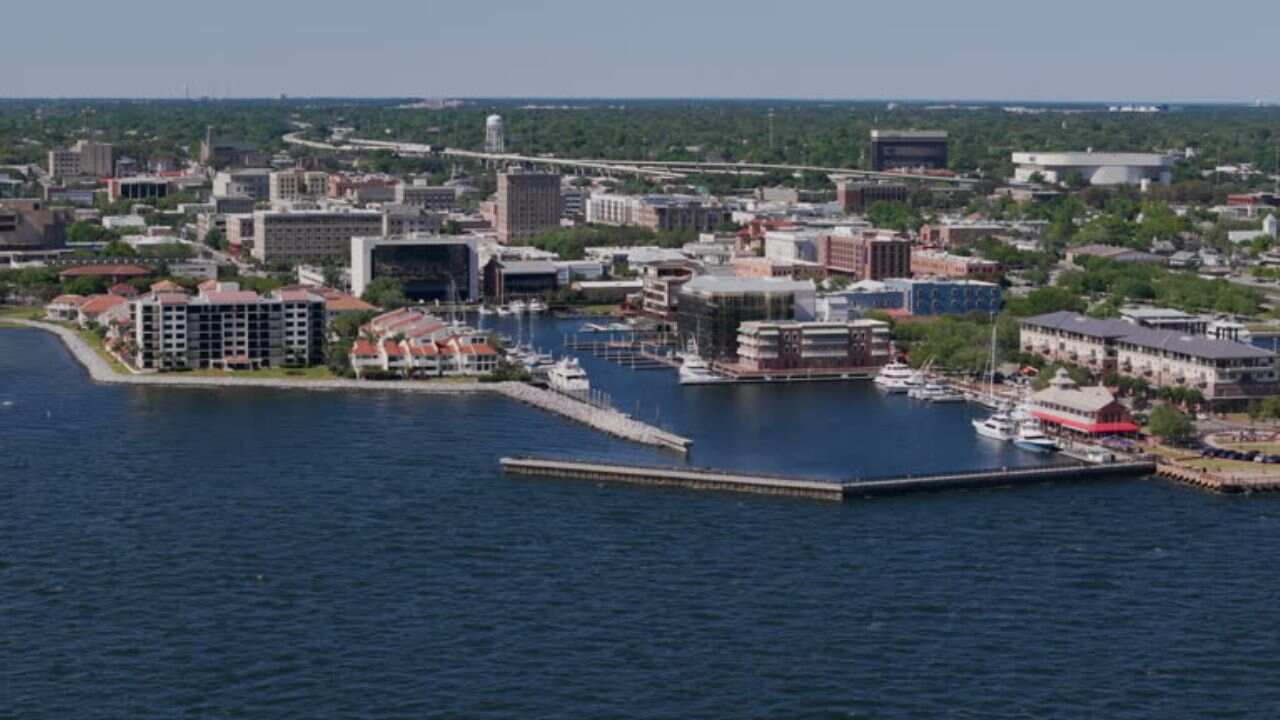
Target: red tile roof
[98,304]
[424,350]
[123,290]
[392,348]
[104,270]
[342,302]
[1091,428]
[166,286]
[76,300]
[364,348]
[233,297]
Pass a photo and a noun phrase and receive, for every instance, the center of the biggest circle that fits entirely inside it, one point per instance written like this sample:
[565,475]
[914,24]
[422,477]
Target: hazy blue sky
[991,49]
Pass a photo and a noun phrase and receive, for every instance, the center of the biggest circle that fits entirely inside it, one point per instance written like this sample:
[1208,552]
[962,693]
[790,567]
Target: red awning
[1091,428]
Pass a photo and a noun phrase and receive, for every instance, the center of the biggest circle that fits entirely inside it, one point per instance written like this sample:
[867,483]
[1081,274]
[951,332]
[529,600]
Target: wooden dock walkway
[706,479]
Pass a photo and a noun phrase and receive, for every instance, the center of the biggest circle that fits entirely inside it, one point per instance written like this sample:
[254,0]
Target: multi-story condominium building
[822,346]
[254,183]
[711,307]
[939,296]
[662,283]
[926,263]
[1166,319]
[855,197]
[138,188]
[427,197]
[32,225]
[528,204]
[865,254]
[908,149]
[310,235]
[290,185]
[428,267]
[228,328]
[239,230]
[1223,370]
[657,212]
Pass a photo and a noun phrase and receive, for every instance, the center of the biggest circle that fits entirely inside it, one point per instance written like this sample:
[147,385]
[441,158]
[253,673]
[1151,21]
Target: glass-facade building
[427,272]
[711,317]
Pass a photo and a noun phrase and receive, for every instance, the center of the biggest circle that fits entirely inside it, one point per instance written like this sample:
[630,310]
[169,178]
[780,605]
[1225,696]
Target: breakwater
[707,479]
[603,419]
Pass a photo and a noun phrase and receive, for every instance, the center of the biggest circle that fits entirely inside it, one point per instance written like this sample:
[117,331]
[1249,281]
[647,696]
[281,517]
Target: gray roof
[1195,345]
[732,284]
[528,267]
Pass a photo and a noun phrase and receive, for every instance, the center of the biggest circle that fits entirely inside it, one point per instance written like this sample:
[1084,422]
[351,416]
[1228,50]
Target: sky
[1117,50]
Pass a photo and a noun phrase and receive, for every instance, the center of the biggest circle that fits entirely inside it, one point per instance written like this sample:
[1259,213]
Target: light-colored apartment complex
[1221,369]
[228,328]
[290,185]
[656,212]
[528,204]
[310,235]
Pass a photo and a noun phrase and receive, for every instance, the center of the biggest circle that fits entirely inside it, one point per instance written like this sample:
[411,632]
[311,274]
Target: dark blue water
[188,553]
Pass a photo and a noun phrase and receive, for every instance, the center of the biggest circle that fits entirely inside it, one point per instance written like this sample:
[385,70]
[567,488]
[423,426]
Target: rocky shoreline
[604,420]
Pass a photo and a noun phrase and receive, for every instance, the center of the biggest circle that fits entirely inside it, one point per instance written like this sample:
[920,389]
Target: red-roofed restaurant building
[1066,408]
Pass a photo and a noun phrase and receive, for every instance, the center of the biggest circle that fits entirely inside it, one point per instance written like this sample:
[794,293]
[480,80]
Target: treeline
[571,243]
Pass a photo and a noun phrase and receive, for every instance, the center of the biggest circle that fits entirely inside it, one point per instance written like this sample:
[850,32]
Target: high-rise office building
[428,267]
[528,204]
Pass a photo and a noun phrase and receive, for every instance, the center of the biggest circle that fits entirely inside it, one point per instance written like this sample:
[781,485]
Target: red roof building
[1067,408]
[117,273]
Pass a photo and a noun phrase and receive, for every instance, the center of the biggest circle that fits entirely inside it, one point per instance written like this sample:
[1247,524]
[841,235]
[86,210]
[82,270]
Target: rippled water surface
[191,553]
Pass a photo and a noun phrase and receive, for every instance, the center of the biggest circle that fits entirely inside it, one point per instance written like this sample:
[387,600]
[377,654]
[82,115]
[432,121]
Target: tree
[215,239]
[118,248]
[387,293]
[1170,425]
[332,275]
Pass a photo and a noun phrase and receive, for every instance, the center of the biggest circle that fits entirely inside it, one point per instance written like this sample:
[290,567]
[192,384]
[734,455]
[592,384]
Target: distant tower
[494,141]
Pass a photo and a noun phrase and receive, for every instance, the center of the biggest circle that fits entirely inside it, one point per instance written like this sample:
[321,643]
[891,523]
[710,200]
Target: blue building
[941,296]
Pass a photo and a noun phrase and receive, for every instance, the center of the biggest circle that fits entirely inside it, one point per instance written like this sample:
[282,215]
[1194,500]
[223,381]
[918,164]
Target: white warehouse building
[1095,167]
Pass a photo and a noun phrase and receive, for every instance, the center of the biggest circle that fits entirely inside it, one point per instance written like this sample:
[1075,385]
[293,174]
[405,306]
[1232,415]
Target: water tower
[494,141]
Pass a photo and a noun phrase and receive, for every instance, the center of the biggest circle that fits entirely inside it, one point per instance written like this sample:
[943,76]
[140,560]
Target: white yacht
[503,311]
[1032,438]
[484,310]
[516,307]
[895,378]
[567,376]
[998,426]
[939,393]
[537,306]
[696,371]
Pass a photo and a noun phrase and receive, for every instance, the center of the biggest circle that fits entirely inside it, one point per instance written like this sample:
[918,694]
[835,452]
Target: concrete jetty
[605,420]
[1218,482]
[706,479]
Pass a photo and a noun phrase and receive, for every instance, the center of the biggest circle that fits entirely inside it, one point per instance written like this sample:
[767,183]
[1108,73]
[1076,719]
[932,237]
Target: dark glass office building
[435,271]
[711,308]
[908,149]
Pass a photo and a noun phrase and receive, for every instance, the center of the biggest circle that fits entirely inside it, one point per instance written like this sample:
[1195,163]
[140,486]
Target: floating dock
[706,479]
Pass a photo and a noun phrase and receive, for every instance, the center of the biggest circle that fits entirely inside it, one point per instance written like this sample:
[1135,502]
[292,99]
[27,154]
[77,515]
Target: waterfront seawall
[608,421]
[707,479]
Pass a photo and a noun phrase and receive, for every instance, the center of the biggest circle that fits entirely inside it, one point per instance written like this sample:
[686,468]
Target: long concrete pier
[603,419]
[705,479]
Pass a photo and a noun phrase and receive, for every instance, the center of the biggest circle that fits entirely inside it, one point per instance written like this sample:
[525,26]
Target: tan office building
[528,204]
[312,235]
